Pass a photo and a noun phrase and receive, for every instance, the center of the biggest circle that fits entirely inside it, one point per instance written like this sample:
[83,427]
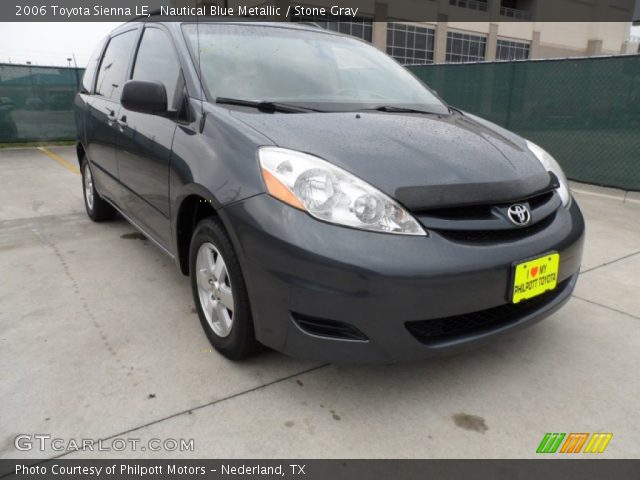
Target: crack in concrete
[622,312]
[609,263]
[76,290]
[199,407]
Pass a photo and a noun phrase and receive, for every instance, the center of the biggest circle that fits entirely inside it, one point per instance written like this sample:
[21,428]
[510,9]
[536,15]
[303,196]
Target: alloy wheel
[214,289]
[88,186]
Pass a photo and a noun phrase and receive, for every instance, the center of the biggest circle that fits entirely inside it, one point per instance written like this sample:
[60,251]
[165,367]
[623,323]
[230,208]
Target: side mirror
[144,97]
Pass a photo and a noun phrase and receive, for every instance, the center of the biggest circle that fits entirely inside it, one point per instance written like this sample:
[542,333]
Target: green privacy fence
[585,112]
[36,103]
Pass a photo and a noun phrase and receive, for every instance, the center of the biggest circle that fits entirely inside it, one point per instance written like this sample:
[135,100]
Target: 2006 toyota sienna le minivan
[323,201]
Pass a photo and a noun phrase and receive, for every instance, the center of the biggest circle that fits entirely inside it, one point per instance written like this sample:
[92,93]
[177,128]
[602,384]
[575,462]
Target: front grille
[492,236]
[482,212]
[489,224]
[539,200]
[328,328]
[449,328]
[470,212]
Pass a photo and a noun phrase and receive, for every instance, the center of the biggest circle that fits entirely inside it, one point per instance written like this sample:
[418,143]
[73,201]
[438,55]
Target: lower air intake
[450,328]
[328,328]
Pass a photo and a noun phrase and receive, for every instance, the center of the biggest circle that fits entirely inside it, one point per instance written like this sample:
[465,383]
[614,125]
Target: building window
[515,9]
[410,45]
[462,48]
[358,27]
[472,4]
[507,50]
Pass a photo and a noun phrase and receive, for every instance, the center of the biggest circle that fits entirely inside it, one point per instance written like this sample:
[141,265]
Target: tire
[97,208]
[219,291]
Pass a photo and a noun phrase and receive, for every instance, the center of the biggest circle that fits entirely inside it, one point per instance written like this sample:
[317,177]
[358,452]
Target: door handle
[122,123]
[111,117]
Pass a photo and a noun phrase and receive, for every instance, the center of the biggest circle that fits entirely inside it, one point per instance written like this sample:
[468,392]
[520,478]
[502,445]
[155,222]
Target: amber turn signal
[280,191]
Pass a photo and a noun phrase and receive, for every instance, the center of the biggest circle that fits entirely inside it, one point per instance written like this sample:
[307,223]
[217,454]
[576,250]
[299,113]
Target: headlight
[331,194]
[550,164]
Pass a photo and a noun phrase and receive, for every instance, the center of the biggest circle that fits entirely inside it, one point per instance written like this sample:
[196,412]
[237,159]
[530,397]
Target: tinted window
[113,69]
[157,61]
[90,72]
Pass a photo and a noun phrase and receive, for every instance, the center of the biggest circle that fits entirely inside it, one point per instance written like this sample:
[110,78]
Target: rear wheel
[219,291]
[97,208]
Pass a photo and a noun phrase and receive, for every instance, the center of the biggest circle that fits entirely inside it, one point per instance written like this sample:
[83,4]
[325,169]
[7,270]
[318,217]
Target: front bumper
[298,267]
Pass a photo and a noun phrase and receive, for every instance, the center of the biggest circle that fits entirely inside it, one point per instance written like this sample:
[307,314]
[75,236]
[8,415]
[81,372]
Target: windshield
[272,64]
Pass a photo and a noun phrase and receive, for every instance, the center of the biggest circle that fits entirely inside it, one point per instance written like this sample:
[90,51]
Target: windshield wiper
[265,106]
[392,109]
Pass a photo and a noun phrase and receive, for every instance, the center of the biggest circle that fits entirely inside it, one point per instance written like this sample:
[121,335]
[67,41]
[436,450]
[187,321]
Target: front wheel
[97,208]
[219,291]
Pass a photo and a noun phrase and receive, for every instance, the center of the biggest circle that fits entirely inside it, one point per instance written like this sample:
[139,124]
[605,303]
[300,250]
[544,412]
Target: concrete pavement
[99,339]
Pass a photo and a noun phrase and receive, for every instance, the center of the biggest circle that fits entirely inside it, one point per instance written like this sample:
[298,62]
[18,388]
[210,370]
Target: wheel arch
[81,153]
[195,204]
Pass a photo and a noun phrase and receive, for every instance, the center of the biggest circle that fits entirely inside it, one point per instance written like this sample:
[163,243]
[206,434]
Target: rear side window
[157,61]
[90,72]
[113,68]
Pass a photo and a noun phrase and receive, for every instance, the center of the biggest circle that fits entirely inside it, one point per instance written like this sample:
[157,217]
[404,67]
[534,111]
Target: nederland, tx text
[171,469]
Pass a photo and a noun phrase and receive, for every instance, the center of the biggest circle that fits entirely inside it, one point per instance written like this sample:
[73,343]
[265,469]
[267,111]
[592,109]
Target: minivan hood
[424,161]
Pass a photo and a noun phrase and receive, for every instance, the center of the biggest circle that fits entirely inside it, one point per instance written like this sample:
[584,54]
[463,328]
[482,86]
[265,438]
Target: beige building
[485,37]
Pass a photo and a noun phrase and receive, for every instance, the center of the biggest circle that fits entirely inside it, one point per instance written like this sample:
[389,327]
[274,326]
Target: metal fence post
[510,96]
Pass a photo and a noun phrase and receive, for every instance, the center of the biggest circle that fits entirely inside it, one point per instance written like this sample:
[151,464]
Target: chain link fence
[585,112]
[36,103]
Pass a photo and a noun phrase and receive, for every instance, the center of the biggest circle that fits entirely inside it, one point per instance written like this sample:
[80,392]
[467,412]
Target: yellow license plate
[534,277]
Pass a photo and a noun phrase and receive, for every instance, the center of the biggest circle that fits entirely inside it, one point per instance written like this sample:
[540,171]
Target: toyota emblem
[519,214]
